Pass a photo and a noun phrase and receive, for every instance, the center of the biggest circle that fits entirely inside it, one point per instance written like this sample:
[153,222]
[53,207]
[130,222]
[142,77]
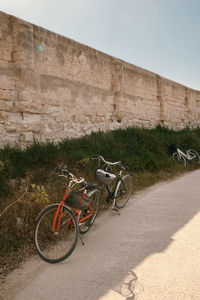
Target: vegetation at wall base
[28,180]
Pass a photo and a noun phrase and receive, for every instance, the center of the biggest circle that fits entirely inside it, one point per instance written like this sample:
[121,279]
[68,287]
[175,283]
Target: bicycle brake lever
[65,172]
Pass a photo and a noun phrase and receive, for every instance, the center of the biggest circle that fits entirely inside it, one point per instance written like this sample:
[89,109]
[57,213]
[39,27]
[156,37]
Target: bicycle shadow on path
[115,246]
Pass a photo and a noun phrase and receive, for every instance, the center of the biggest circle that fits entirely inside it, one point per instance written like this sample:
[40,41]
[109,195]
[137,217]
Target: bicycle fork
[59,211]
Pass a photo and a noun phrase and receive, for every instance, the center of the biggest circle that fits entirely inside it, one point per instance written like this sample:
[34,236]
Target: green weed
[146,152]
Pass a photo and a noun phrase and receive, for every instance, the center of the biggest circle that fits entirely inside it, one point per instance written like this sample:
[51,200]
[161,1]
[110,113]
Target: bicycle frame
[186,155]
[112,193]
[76,213]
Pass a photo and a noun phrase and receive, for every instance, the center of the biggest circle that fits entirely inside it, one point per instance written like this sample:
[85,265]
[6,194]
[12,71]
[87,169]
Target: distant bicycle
[190,156]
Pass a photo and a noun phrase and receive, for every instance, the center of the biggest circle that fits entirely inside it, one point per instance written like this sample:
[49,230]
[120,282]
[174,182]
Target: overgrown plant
[145,151]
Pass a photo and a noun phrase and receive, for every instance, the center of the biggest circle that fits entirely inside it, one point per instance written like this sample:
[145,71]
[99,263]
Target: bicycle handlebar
[72,177]
[99,157]
[106,162]
[65,172]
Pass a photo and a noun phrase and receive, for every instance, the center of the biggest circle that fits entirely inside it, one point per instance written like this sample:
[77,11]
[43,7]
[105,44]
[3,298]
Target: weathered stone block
[5,55]
[6,105]
[6,64]
[30,107]
[5,95]
[7,82]
[29,96]
[26,137]
[31,118]
[13,139]
[54,110]
[2,128]
[23,127]
[14,117]
[55,127]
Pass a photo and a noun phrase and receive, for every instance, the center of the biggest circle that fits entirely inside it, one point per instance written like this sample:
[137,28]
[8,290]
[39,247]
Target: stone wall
[52,88]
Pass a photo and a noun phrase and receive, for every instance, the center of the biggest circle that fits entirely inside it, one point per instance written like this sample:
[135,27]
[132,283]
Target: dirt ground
[150,251]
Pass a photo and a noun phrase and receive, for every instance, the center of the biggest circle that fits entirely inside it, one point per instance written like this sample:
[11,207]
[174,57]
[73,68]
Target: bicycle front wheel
[123,190]
[94,207]
[55,237]
[194,155]
[179,158]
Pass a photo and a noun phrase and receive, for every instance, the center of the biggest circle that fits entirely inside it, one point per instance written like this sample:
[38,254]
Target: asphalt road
[151,251]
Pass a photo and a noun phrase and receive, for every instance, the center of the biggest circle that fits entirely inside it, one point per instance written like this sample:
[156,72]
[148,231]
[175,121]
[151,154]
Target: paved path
[151,251]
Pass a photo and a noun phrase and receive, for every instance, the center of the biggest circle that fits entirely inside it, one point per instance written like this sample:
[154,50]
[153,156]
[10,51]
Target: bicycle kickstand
[81,240]
[116,209]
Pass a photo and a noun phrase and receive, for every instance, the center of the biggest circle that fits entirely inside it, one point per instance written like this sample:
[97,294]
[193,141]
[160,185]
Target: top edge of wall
[116,59]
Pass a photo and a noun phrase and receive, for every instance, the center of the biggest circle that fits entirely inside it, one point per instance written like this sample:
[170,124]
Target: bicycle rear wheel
[123,191]
[179,158]
[94,202]
[55,243]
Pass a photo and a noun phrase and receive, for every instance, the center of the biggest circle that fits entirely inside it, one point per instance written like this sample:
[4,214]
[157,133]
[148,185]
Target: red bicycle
[57,227]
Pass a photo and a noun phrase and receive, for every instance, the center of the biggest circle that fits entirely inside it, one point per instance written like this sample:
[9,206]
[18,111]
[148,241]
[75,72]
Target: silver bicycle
[190,156]
[119,185]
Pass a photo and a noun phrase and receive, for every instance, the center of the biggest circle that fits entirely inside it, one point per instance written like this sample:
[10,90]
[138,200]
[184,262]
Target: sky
[162,36]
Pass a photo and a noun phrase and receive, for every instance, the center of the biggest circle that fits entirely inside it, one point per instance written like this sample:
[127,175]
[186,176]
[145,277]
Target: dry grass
[28,180]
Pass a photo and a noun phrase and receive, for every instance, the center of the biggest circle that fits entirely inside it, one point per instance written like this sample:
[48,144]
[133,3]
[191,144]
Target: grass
[146,152]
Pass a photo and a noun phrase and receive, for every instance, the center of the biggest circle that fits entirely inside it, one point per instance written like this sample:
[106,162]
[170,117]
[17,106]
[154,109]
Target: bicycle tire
[179,158]
[56,245]
[85,226]
[195,155]
[123,190]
